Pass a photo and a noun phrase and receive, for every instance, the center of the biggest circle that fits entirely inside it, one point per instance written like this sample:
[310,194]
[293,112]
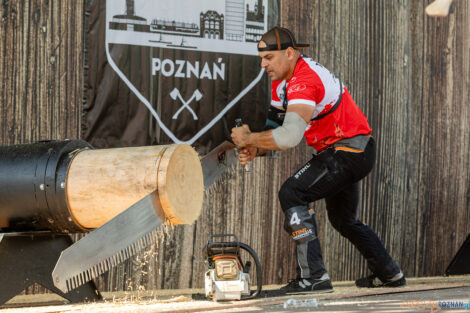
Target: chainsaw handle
[259,273]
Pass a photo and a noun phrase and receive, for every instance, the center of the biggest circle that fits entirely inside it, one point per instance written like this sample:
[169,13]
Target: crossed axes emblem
[175,94]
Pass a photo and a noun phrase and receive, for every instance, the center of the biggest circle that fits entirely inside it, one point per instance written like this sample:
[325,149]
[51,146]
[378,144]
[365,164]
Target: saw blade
[112,243]
[218,161]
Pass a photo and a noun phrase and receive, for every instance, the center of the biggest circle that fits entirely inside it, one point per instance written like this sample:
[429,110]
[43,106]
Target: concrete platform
[421,295]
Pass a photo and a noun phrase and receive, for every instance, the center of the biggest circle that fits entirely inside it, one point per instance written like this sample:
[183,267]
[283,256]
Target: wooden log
[102,183]
[438,8]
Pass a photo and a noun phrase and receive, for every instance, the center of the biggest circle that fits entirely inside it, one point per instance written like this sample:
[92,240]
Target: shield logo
[190,65]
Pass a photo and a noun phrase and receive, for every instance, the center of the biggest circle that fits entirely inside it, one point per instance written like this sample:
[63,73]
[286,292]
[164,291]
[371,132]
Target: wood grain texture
[102,183]
[180,184]
[41,48]
[410,74]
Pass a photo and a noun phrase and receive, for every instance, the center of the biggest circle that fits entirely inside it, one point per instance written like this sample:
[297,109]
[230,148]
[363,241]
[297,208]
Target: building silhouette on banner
[212,25]
[254,27]
[174,28]
[129,21]
[235,20]
[239,23]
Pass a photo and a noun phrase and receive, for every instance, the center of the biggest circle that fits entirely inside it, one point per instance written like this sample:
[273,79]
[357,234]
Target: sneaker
[307,285]
[373,281]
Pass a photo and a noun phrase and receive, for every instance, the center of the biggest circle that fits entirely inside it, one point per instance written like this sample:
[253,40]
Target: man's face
[276,63]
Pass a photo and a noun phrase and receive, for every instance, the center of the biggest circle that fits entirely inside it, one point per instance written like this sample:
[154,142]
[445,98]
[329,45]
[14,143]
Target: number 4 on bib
[294,219]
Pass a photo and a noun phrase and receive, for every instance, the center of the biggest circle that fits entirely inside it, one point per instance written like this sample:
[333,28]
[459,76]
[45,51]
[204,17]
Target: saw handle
[239,123]
[259,273]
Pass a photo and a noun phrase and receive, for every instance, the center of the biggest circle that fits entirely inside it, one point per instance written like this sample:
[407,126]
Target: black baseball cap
[280,38]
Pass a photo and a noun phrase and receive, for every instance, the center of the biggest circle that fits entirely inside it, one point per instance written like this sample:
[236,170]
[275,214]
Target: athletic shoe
[373,281]
[308,285]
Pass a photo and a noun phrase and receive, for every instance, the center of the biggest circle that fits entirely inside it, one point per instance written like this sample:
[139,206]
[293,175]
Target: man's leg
[318,178]
[342,211]
[301,225]
[311,251]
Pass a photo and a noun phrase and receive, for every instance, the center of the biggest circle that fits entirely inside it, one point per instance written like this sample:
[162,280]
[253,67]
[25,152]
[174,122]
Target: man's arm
[243,137]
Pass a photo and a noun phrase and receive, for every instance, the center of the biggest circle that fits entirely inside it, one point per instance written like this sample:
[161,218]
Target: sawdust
[178,303]
[177,299]
[143,266]
[121,306]
[140,301]
[139,292]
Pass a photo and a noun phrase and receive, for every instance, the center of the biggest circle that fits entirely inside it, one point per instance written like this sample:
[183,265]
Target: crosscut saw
[120,238]
[218,161]
[129,232]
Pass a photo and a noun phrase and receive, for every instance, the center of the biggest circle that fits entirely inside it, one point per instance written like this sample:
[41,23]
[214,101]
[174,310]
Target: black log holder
[28,258]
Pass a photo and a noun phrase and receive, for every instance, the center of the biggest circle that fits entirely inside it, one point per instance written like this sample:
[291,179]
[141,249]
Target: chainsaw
[227,277]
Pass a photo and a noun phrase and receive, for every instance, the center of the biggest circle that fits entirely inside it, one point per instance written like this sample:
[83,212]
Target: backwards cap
[280,38]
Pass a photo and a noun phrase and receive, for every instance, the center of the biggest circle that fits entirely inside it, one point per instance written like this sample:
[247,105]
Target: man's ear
[262,44]
[290,53]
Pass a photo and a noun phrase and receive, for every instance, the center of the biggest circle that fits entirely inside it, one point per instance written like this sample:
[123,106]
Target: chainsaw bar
[105,247]
[216,162]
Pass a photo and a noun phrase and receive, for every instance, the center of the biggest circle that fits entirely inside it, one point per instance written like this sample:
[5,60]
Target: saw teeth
[105,265]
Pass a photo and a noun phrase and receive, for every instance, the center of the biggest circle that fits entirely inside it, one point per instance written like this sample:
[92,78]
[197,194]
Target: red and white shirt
[314,85]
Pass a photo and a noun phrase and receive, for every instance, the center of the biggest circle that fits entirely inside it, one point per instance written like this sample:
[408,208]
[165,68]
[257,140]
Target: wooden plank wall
[409,73]
[41,48]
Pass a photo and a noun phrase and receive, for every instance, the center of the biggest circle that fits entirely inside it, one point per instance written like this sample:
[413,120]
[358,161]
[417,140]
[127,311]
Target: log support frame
[28,258]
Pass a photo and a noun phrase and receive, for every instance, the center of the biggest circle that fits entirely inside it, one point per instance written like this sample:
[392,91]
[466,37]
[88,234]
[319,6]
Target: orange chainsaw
[227,276]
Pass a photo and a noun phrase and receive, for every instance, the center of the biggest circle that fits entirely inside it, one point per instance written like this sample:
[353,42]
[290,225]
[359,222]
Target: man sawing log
[308,100]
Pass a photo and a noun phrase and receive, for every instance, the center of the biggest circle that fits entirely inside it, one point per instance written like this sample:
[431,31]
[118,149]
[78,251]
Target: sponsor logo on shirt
[296,88]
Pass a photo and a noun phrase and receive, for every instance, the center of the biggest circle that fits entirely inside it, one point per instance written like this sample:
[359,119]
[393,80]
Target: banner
[173,71]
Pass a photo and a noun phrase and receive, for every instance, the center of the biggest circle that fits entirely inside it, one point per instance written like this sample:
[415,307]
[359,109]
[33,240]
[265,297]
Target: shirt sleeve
[275,100]
[304,91]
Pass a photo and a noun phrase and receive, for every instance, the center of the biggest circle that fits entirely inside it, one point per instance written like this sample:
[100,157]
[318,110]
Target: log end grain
[180,184]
